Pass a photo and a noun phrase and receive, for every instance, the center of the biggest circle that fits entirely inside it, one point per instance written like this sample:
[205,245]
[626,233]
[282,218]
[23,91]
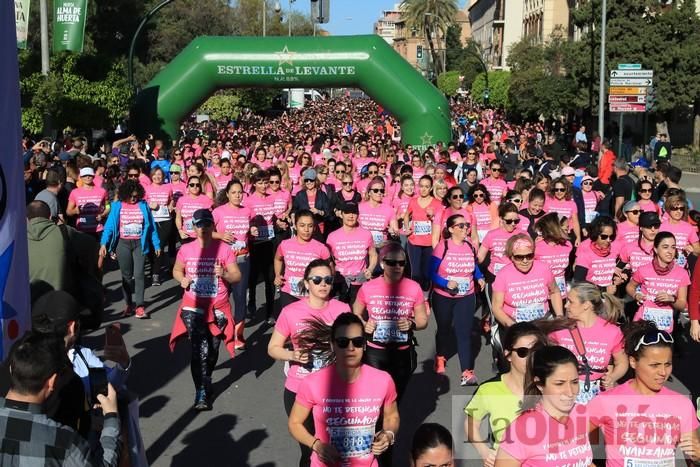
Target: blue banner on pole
[15,317]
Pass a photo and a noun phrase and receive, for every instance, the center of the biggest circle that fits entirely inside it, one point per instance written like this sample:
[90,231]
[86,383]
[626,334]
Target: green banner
[22,22]
[69,25]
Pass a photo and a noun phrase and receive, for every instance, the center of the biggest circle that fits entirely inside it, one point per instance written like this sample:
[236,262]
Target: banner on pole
[22,22]
[69,25]
[14,267]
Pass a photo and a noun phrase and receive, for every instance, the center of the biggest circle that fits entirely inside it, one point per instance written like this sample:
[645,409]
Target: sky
[350,16]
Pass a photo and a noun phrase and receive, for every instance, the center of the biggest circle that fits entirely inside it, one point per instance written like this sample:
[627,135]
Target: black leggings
[205,347]
[289,398]
[400,364]
[284,300]
[455,314]
[262,255]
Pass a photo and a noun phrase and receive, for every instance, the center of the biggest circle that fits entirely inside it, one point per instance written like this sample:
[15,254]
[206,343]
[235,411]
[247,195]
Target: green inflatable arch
[365,62]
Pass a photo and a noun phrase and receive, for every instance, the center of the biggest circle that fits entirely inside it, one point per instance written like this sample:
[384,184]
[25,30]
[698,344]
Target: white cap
[85,171]
[225,154]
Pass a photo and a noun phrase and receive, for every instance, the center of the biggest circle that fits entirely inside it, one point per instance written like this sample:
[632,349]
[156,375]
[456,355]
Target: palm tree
[433,17]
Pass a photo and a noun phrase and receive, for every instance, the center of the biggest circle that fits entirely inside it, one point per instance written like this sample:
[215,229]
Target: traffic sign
[626,99]
[629,66]
[631,73]
[628,107]
[623,91]
[631,81]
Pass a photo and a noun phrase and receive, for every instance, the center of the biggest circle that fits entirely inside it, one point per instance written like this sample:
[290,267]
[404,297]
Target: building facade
[543,18]
[496,25]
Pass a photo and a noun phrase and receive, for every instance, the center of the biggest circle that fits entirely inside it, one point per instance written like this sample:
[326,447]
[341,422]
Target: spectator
[662,149]
[623,187]
[49,195]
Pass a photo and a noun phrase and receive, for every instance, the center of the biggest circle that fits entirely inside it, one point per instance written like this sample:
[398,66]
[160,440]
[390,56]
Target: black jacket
[322,203]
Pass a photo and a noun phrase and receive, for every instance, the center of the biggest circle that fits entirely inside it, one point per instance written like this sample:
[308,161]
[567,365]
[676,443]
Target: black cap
[350,208]
[54,310]
[202,215]
[649,219]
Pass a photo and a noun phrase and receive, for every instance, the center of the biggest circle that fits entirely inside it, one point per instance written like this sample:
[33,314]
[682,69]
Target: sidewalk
[691,182]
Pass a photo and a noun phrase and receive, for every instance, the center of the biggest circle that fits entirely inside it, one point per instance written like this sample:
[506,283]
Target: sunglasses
[471,153]
[523,352]
[527,257]
[511,221]
[133,176]
[634,211]
[395,262]
[677,208]
[318,279]
[290,161]
[344,342]
[461,225]
[377,190]
[309,180]
[560,190]
[653,338]
[478,195]
[516,200]
[193,185]
[606,237]
[456,197]
[347,183]
[372,172]
[653,226]
[340,171]
[275,182]
[646,190]
[497,170]
[588,183]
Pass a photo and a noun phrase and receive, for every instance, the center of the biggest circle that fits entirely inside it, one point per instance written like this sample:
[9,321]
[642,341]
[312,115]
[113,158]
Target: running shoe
[468,378]
[440,365]
[128,311]
[155,280]
[141,312]
[201,400]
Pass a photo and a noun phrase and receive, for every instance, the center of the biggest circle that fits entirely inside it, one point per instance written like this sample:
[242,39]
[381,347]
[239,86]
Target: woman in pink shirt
[454,204]
[346,399]
[553,248]
[595,338]
[484,211]
[524,288]
[89,203]
[645,190]
[291,258]
[206,180]
[643,422]
[293,320]
[495,240]
[551,431]
[596,258]
[590,201]
[281,200]
[687,241]
[377,215]
[186,206]
[159,197]
[418,222]
[392,307]
[454,271]
[628,222]
[560,200]
[637,254]
[660,288]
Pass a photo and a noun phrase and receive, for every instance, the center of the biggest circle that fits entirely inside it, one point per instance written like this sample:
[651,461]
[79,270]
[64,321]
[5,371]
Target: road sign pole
[644,141]
[601,78]
[619,142]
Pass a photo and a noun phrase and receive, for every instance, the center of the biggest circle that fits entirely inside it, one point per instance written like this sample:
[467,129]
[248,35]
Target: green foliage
[499,84]
[224,105]
[454,53]
[429,16]
[449,83]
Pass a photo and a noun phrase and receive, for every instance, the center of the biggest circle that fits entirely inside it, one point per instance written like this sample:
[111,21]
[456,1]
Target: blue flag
[15,316]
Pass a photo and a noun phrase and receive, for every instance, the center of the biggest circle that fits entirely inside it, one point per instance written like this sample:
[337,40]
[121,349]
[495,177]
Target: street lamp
[145,19]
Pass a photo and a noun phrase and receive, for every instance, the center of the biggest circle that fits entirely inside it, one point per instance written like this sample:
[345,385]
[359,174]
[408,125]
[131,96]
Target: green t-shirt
[494,400]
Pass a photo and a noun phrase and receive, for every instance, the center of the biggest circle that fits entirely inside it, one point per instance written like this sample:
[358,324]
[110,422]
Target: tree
[454,50]
[499,82]
[432,17]
[449,83]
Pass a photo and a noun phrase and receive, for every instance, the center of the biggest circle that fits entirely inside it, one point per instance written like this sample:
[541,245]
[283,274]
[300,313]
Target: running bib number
[584,397]
[162,212]
[189,226]
[237,245]
[482,234]
[378,237]
[561,283]
[590,215]
[632,462]
[422,228]
[529,312]
[266,232]
[205,287]
[295,286]
[387,331]
[497,268]
[132,230]
[351,441]
[662,318]
[463,284]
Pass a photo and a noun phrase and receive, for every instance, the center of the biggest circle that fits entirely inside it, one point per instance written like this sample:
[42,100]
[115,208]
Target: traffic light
[486,96]
[321,11]
[651,99]
[419,52]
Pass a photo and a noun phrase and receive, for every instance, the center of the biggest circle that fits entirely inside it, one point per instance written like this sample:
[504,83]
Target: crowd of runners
[579,269]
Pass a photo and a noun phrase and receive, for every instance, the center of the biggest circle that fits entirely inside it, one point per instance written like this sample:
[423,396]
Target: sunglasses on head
[653,338]
[606,237]
[512,221]
[395,262]
[527,257]
[318,279]
[377,190]
[343,342]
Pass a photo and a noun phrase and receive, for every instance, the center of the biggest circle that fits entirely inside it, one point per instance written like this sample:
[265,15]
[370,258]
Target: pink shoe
[141,312]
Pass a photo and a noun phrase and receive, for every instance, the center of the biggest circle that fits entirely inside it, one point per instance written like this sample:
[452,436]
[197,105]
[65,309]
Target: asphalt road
[247,426]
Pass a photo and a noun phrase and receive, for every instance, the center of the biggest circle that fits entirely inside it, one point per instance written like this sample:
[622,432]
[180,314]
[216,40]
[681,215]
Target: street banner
[14,268]
[69,21]
[22,22]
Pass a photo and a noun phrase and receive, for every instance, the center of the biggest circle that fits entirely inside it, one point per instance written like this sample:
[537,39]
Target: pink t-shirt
[160,194]
[421,224]
[262,210]
[562,207]
[635,256]
[538,440]
[590,201]
[187,205]
[400,205]
[495,241]
[652,284]
[642,429]
[685,233]
[525,295]
[199,266]
[602,341]
[387,303]
[349,250]
[281,200]
[130,221]
[376,220]
[297,255]
[90,203]
[179,189]
[222,181]
[457,265]
[483,218]
[557,257]
[627,232]
[600,269]
[236,221]
[648,205]
[292,320]
[345,414]
[497,188]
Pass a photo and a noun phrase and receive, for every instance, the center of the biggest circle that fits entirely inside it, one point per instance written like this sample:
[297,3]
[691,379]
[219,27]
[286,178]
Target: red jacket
[606,166]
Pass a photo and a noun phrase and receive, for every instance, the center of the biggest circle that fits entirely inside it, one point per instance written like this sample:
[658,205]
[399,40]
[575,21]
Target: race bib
[584,397]
[422,228]
[132,230]
[462,284]
[378,237]
[266,232]
[352,441]
[497,268]
[387,331]
[590,215]
[481,234]
[663,318]
[316,363]
[205,286]
[295,286]
[237,245]
[634,462]
[162,212]
[561,283]
[529,312]
[189,226]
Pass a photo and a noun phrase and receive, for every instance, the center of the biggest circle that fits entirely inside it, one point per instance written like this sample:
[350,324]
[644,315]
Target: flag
[69,18]
[15,317]
[22,22]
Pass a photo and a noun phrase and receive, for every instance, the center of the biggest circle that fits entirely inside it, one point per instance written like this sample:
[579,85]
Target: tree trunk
[696,126]
[433,52]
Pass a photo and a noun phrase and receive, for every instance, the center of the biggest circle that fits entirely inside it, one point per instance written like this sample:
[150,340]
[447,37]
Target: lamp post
[145,19]
[601,78]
